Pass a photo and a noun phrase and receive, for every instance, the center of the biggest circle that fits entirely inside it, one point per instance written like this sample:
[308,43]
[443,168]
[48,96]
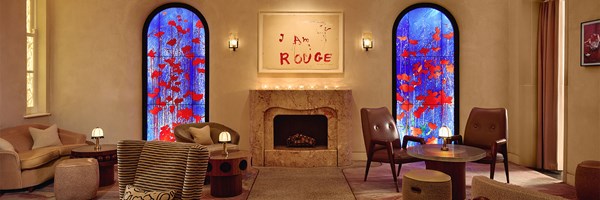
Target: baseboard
[361,156]
[570,178]
[514,158]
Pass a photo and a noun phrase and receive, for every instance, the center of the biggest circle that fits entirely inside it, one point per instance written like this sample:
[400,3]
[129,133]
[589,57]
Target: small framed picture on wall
[590,43]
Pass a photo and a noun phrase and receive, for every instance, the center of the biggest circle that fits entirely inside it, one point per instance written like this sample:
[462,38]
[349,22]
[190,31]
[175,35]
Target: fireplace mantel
[266,104]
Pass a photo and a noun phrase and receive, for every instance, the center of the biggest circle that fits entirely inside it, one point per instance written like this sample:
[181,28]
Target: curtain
[547,88]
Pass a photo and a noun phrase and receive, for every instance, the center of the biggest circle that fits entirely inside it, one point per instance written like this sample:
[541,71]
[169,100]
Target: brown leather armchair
[382,141]
[487,128]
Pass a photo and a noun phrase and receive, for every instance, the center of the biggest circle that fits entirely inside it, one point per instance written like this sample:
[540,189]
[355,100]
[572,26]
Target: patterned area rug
[380,185]
[300,183]
[46,190]
[329,183]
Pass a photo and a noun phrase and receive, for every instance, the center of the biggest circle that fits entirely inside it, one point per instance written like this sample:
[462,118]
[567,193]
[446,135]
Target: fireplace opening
[300,131]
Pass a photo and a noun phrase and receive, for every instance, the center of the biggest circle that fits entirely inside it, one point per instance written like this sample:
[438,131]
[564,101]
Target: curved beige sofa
[25,167]
[183,135]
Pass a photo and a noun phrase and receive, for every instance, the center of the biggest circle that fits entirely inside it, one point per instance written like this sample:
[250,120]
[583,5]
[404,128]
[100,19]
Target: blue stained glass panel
[176,72]
[424,79]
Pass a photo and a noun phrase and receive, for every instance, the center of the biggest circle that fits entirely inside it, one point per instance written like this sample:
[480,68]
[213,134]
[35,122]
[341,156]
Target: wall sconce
[444,133]
[225,137]
[233,41]
[367,41]
[97,133]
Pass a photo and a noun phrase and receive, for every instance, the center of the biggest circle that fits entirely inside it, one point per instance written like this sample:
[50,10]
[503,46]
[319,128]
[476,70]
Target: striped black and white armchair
[162,166]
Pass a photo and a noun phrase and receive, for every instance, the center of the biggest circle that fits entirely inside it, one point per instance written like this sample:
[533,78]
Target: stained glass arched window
[425,71]
[175,72]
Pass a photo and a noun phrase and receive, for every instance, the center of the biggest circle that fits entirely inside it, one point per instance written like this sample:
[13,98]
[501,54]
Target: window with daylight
[175,79]
[31,54]
[425,71]
[35,77]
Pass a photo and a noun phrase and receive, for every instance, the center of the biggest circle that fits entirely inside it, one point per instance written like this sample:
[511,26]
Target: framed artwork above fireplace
[300,42]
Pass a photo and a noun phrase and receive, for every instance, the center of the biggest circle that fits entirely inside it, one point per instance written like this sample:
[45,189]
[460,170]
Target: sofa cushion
[5,145]
[201,135]
[45,138]
[65,150]
[38,157]
[133,193]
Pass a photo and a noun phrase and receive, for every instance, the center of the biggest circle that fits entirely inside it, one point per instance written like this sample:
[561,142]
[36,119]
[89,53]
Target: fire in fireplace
[302,131]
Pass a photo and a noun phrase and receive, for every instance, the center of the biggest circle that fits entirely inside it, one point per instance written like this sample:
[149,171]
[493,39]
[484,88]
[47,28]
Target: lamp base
[225,149]
[444,146]
[97,147]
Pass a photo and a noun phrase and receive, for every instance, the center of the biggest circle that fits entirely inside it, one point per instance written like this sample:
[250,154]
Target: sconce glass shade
[367,41]
[233,41]
[444,132]
[224,137]
[97,133]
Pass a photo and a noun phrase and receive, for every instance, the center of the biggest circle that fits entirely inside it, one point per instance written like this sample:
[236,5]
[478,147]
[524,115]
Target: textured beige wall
[522,34]
[583,88]
[96,58]
[12,65]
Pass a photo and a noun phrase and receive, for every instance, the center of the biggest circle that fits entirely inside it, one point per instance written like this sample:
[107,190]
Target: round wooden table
[106,156]
[451,162]
[225,172]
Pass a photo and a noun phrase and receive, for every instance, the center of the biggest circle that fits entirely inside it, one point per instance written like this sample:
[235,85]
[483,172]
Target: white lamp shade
[97,133]
[444,132]
[224,137]
[367,43]
[367,40]
[233,43]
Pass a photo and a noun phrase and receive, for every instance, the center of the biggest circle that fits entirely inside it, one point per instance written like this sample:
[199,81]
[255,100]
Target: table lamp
[444,133]
[97,133]
[225,137]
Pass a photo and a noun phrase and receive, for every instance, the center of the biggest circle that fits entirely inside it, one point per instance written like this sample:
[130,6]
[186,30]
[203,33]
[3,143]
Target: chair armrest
[496,146]
[501,142]
[10,170]
[411,138]
[457,139]
[128,155]
[69,137]
[195,173]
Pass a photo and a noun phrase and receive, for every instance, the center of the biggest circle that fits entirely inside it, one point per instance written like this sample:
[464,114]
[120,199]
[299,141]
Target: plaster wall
[582,89]
[96,58]
[95,61]
[13,65]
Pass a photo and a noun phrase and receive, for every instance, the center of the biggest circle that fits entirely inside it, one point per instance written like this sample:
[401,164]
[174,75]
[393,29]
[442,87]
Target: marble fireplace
[334,105]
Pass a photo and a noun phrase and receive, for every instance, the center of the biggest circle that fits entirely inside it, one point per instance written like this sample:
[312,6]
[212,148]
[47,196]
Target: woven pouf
[426,184]
[76,179]
[587,180]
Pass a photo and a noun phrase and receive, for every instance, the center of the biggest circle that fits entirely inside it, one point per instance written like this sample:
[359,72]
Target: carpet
[46,190]
[380,185]
[300,183]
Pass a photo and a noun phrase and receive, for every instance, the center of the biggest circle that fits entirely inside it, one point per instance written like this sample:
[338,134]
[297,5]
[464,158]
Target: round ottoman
[76,179]
[426,184]
[587,176]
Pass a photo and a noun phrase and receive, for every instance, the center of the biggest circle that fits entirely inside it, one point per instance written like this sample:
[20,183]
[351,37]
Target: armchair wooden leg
[369,159]
[492,166]
[390,151]
[505,154]
[367,168]
[399,167]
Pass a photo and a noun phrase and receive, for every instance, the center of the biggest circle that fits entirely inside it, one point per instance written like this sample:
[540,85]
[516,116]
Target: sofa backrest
[484,187]
[20,137]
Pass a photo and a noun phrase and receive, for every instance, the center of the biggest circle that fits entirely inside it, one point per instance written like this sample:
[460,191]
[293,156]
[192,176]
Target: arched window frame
[145,61]
[456,59]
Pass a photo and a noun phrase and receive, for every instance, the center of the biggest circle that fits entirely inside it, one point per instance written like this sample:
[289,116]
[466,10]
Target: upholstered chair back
[485,126]
[163,166]
[378,124]
[183,135]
